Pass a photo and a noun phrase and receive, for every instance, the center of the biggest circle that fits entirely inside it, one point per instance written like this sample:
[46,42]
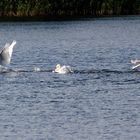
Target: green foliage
[68,7]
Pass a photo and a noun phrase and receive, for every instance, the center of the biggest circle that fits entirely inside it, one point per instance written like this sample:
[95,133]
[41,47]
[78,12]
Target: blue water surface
[99,101]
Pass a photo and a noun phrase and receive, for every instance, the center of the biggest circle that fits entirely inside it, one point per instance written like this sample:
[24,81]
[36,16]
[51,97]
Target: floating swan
[63,69]
[136,63]
[6,53]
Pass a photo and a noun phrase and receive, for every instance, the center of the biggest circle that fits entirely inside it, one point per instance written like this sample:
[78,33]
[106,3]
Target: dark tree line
[48,8]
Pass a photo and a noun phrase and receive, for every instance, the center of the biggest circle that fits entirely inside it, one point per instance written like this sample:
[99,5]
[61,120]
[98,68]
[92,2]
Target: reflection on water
[100,100]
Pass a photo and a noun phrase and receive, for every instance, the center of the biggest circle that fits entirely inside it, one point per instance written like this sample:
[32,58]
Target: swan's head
[58,66]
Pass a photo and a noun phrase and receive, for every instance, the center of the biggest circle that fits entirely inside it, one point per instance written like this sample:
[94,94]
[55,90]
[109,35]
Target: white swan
[6,53]
[63,69]
[136,62]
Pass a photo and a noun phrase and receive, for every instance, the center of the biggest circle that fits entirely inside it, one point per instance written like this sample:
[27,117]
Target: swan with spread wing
[6,53]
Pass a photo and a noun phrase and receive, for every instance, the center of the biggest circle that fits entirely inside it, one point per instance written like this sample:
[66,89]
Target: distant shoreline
[57,18]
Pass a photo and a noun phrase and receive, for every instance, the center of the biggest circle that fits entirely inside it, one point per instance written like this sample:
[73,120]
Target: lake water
[99,101]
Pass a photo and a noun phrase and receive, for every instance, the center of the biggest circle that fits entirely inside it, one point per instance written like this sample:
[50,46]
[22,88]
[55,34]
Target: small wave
[102,71]
[18,70]
[90,71]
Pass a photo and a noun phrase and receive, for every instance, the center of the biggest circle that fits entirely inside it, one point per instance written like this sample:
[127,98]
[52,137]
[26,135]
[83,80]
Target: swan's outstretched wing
[134,67]
[6,53]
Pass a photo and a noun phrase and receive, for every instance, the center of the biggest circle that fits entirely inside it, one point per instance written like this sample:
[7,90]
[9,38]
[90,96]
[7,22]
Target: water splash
[36,69]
